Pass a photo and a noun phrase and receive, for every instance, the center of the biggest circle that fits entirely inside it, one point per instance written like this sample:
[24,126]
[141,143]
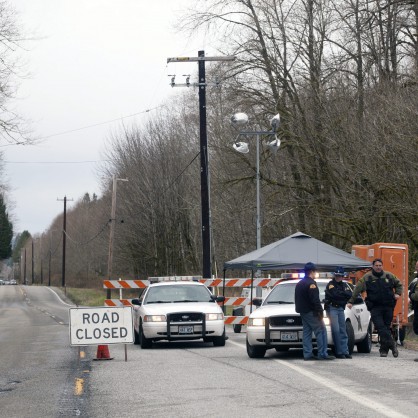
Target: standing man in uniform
[309,306]
[337,294]
[413,297]
[383,290]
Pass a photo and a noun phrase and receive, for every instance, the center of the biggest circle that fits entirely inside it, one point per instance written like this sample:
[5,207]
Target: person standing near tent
[383,290]
[337,294]
[309,307]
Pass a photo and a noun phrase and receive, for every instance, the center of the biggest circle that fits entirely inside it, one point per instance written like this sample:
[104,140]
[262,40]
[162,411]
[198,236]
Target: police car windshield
[176,294]
[285,293]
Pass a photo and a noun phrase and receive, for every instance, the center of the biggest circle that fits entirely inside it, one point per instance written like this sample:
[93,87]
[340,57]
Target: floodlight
[274,145]
[241,147]
[239,119]
[275,122]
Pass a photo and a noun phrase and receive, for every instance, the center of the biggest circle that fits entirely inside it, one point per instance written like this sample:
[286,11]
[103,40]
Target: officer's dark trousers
[382,318]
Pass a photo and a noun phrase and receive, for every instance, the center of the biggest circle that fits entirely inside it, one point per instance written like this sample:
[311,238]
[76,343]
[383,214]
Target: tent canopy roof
[293,252]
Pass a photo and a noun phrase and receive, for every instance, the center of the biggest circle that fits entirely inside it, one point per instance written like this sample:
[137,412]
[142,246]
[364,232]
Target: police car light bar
[292,275]
[174,279]
[321,275]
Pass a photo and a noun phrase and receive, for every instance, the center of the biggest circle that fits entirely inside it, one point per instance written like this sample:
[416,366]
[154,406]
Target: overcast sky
[93,61]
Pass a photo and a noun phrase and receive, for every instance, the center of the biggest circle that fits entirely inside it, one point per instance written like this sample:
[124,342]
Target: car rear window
[285,293]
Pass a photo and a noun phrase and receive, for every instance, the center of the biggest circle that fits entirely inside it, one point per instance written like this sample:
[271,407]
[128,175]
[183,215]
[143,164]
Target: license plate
[185,329]
[289,336]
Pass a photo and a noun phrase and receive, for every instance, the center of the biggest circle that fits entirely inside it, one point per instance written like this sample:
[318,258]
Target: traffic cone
[103,353]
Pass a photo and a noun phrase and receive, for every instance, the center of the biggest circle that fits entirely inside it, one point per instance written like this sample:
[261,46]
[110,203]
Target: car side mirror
[217,298]
[136,302]
[257,301]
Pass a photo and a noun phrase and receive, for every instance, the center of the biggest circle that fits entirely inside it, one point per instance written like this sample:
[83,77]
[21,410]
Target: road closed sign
[101,325]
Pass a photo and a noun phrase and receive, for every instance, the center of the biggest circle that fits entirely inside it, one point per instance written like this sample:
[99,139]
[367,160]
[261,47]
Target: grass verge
[95,297]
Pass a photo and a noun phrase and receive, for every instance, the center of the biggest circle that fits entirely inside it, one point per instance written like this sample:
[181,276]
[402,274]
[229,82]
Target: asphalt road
[198,380]
[37,366]
[40,375]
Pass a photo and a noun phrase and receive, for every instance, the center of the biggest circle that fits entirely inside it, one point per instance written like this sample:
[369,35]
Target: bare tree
[12,127]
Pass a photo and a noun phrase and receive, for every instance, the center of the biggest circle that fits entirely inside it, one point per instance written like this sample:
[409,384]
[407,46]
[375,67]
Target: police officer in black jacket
[383,290]
[309,306]
[337,294]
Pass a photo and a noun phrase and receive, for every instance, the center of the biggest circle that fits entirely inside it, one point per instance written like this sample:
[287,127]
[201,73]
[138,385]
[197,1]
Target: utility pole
[42,271]
[204,161]
[33,264]
[64,236]
[49,267]
[24,270]
[112,232]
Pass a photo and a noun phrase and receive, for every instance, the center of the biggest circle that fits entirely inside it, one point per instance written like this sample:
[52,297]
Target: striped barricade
[240,282]
[229,320]
[219,282]
[236,301]
[228,302]
[236,320]
[125,284]
[142,284]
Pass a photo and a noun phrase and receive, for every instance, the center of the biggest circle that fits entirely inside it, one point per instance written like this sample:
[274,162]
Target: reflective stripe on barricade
[236,301]
[242,320]
[125,284]
[117,302]
[228,302]
[240,282]
[142,284]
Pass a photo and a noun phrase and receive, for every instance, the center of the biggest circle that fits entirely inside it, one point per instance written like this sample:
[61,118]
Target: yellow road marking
[78,387]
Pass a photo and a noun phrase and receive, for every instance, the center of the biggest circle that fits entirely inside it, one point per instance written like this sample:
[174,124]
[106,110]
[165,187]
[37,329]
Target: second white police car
[175,309]
[276,324]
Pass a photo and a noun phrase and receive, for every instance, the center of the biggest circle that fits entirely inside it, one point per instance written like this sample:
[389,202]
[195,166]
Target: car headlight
[214,316]
[256,322]
[155,318]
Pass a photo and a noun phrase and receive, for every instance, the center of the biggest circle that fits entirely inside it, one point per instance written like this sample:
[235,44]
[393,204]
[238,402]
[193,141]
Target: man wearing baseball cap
[337,294]
[308,304]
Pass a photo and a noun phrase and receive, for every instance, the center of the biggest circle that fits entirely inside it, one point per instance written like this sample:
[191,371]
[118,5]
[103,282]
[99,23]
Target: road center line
[384,410]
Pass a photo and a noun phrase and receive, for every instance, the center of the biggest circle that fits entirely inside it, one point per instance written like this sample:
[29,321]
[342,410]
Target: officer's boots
[384,347]
[383,353]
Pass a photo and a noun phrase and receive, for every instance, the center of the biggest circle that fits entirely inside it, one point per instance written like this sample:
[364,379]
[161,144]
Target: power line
[56,162]
[81,243]
[99,123]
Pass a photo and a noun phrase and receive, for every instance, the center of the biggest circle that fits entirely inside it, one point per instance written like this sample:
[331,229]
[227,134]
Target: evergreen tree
[6,231]
[19,244]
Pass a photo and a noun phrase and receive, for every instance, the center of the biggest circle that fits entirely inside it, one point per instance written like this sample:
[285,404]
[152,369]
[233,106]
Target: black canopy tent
[292,253]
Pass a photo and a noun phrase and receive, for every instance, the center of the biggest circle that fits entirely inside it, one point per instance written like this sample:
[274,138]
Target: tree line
[343,76]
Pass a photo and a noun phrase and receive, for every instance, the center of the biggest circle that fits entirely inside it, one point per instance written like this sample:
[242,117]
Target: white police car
[276,324]
[176,310]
